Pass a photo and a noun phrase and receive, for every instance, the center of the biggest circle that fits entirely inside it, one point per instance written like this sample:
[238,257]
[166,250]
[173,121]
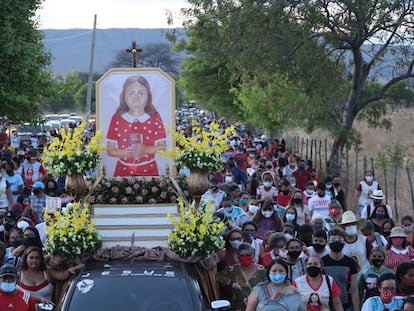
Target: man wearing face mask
[38,199]
[213,194]
[302,176]
[240,177]
[356,245]
[230,210]
[342,269]
[267,219]
[319,247]
[11,297]
[319,204]
[308,192]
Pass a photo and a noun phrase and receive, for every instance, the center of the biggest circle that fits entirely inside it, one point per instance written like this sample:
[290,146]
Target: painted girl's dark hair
[123,107]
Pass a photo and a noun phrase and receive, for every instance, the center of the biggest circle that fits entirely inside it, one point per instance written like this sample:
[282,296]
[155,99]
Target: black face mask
[285,192]
[377,262]
[386,233]
[8,226]
[318,247]
[336,246]
[16,243]
[294,254]
[321,195]
[214,188]
[313,271]
[30,241]
[336,184]
[297,201]
[36,191]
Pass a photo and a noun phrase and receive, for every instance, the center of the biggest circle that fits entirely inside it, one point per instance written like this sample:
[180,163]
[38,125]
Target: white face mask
[310,191]
[235,244]
[267,184]
[328,186]
[228,179]
[408,228]
[369,178]
[253,209]
[293,184]
[267,214]
[351,230]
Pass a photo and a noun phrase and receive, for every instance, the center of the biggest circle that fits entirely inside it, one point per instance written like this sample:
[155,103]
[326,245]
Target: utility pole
[89,91]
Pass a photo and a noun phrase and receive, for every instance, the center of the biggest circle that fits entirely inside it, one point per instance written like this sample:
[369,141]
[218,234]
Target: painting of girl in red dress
[136,131]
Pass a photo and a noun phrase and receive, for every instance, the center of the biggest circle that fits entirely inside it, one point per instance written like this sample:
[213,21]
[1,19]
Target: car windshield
[29,128]
[109,292]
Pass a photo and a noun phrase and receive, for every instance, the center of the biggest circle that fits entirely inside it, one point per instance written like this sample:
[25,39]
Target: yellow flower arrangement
[71,154]
[195,232]
[71,233]
[203,149]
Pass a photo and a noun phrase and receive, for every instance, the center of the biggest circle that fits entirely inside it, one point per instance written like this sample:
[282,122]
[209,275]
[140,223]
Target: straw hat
[397,232]
[349,217]
[377,195]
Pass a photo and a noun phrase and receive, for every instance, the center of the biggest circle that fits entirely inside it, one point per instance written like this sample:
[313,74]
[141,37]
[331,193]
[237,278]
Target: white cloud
[63,14]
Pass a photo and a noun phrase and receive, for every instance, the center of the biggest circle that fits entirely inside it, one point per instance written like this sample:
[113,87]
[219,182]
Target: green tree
[345,59]
[25,80]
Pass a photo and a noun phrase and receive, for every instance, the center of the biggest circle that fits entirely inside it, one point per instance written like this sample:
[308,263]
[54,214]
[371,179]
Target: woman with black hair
[276,294]
[387,286]
[405,279]
[408,304]
[378,216]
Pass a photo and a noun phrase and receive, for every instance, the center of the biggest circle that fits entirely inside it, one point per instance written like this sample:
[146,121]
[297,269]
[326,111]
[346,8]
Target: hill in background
[71,48]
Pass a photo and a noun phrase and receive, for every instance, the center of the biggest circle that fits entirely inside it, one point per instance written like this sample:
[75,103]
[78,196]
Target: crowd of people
[294,242]
[26,188]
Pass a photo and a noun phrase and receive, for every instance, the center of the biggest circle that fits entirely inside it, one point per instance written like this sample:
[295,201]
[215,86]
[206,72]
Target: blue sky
[66,14]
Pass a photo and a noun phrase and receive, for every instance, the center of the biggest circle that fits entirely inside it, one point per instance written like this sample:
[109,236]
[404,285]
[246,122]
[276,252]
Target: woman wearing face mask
[407,225]
[315,282]
[266,190]
[368,279]
[30,238]
[28,210]
[249,230]
[242,277]
[365,188]
[378,216]
[398,248]
[290,218]
[229,255]
[16,241]
[386,300]
[302,212]
[267,219]
[276,294]
[335,214]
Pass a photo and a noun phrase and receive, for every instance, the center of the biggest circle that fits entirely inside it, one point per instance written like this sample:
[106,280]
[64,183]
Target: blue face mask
[290,217]
[244,201]
[228,210]
[8,287]
[277,278]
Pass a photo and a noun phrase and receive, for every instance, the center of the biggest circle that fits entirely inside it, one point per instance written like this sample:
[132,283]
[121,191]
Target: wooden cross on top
[134,51]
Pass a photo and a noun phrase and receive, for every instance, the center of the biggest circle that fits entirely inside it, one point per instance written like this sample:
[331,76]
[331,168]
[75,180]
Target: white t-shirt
[318,205]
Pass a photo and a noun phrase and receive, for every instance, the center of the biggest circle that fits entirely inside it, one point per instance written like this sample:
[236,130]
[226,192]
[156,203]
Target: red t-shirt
[20,301]
[284,200]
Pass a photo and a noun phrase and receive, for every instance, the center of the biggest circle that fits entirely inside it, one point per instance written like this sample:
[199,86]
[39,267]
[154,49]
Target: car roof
[134,267]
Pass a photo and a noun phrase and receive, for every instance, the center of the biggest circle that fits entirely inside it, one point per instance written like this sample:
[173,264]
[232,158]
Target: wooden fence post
[395,191]
[356,167]
[320,153]
[347,172]
[410,183]
[307,148]
[384,168]
[365,163]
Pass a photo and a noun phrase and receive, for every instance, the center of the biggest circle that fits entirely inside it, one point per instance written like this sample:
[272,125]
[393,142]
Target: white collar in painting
[131,118]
